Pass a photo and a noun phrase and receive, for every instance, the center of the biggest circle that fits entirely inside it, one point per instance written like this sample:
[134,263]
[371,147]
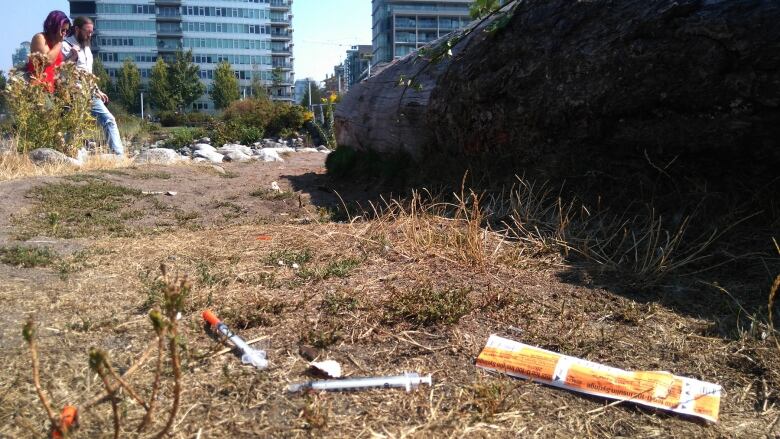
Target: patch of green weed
[289,257]
[153,175]
[268,194]
[76,210]
[27,257]
[425,306]
[337,303]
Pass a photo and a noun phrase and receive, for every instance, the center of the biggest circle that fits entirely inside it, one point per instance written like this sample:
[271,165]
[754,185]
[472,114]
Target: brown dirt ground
[104,302]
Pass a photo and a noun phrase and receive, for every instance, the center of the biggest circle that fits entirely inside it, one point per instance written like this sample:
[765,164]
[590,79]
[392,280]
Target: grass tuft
[77,210]
[268,194]
[289,257]
[27,257]
[335,303]
[425,306]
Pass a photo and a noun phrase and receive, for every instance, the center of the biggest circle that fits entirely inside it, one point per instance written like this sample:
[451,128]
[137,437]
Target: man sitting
[76,48]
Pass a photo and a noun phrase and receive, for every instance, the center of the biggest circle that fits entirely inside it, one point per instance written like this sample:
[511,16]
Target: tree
[317,94]
[160,87]
[128,86]
[277,78]
[225,88]
[480,8]
[184,79]
[258,88]
[2,92]
[103,80]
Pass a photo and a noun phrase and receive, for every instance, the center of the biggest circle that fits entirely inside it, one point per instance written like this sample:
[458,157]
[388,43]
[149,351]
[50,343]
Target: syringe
[249,355]
[408,381]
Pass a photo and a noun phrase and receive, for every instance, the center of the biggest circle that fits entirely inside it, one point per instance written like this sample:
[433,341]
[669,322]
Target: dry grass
[429,281]
[14,166]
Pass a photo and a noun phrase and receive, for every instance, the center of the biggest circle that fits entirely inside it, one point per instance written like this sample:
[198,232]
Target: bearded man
[76,48]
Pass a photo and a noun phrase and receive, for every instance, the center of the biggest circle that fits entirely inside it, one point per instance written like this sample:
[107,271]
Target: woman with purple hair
[49,43]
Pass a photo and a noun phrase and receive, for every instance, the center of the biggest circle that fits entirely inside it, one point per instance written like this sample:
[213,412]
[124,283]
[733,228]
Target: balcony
[280,5]
[168,18]
[276,21]
[169,31]
[284,35]
[168,15]
[283,66]
[167,2]
[168,46]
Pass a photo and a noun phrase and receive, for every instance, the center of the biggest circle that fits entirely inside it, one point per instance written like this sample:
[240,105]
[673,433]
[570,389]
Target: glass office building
[255,36]
[402,26]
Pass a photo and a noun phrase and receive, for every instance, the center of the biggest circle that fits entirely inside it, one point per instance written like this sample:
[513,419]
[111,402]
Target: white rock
[282,149]
[44,156]
[271,144]
[269,155]
[275,187]
[203,147]
[205,140]
[199,160]
[82,155]
[232,147]
[219,169]
[236,156]
[212,156]
[308,150]
[158,156]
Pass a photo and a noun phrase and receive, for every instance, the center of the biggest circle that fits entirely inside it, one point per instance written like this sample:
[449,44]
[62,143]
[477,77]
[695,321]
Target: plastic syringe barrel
[408,381]
[256,357]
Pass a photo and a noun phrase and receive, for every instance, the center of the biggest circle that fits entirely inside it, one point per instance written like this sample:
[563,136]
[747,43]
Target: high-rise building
[19,57]
[401,26]
[254,36]
[356,64]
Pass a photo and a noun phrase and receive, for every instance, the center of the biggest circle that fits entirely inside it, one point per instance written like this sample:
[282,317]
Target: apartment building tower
[356,64]
[402,26]
[254,36]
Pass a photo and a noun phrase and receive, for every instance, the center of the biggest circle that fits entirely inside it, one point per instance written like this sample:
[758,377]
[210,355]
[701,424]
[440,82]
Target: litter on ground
[657,389]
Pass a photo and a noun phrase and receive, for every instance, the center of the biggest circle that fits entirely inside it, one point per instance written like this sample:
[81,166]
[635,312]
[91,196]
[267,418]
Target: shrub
[286,117]
[247,135]
[59,120]
[234,132]
[131,127]
[274,118]
[181,137]
[174,119]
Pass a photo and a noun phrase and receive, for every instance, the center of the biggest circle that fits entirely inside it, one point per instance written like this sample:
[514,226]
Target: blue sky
[324,30]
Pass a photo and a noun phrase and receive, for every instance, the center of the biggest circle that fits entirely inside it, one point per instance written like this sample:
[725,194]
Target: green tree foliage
[271,118]
[103,80]
[128,86]
[3,82]
[317,94]
[160,87]
[277,76]
[225,88]
[258,88]
[186,87]
[480,8]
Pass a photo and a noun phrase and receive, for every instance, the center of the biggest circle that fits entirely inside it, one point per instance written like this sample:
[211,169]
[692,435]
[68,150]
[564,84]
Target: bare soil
[342,303]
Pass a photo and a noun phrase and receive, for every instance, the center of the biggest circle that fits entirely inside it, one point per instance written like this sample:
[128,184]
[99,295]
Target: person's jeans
[108,122]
